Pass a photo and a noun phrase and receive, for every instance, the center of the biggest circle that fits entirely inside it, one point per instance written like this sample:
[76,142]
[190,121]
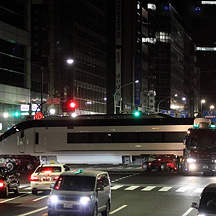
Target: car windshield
[76,183]
[204,142]
[52,169]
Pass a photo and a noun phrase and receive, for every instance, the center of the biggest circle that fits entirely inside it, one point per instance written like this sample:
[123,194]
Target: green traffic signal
[16,114]
[137,113]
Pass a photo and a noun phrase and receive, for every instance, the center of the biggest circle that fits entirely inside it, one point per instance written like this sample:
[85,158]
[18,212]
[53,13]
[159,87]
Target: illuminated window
[208,2]
[163,37]
[206,49]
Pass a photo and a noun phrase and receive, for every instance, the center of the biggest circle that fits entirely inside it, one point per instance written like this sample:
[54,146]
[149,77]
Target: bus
[102,139]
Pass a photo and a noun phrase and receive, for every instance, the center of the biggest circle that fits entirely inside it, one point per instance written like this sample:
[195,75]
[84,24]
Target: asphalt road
[134,193]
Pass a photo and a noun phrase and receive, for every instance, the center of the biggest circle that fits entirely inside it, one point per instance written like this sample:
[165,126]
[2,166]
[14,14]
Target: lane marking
[182,189]
[131,188]
[148,188]
[115,187]
[118,209]
[198,190]
[32,212]
[165,188]
[35,200]
[188,211]
[8,200]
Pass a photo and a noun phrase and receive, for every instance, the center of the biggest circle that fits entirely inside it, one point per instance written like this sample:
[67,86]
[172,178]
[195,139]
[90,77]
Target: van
[207,204]
[81,192]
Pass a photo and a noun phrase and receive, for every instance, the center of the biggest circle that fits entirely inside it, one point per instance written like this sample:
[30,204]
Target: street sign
[38,116]
[210,114]
[53,100]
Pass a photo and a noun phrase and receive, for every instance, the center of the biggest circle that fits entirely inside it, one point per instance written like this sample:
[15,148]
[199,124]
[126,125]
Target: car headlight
[192,167]
[191,160]
[53,199]
[85,200]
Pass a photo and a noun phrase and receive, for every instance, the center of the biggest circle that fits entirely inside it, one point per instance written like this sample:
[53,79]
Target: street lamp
[212,107]
[114,96]
[68,61]
[202,102]
[158,106]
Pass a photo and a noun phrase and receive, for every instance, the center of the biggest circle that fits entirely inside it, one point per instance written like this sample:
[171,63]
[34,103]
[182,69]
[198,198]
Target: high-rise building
[78,31]
[15,72]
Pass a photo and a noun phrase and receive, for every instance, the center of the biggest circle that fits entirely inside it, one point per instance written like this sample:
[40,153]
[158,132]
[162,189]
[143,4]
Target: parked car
[160,163]
[9,181]
[44,175]
[207,204]
[81,192]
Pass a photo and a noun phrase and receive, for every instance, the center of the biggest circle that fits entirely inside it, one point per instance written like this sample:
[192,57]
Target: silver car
[81,192]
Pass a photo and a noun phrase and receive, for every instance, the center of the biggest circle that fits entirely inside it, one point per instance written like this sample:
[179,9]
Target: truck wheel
[30,166]
[145,167]
[163,167]
[10,165]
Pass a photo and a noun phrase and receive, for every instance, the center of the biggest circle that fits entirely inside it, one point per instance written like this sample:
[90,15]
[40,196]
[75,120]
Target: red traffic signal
[72,104]
[69,106]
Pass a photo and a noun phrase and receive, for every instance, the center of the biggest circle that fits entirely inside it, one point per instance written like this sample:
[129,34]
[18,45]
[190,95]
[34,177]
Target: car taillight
[57,187]
[1,184]
[56,177]
[34,178]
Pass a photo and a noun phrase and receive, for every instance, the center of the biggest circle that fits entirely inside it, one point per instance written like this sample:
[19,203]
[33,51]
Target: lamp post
[158,106]
[114,96]
[68,61]
[202,102]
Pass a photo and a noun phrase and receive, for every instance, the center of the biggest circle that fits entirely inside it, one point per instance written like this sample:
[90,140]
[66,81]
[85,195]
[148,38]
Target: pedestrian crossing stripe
[148,188]
[144,189]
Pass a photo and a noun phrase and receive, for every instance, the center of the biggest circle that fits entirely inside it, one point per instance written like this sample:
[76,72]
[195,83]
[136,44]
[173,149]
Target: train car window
[174,136]
[36,138]
[126,137]
[78,138]
[102,137]
[151,137]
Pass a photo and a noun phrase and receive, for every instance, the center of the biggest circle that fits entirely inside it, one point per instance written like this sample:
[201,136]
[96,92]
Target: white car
[44,175]
[82,192]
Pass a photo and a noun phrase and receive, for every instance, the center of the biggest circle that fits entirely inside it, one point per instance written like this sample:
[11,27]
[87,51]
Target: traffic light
[72,105]
[69,106]
[16,114]
[137,113]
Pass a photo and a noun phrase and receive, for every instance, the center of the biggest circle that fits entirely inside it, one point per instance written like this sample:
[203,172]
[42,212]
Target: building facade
[15,67]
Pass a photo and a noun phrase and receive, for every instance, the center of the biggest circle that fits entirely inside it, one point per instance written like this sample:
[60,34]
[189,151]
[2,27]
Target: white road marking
[115,187]
[148,188]
[118,209]
[40,198]
[131,188]
[182,189]
[198,190]
[188,211]
[165,188]
[32,212]
[8,200]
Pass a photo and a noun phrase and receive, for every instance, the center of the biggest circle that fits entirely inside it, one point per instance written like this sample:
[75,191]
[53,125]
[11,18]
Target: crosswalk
[157,188]
[143,188]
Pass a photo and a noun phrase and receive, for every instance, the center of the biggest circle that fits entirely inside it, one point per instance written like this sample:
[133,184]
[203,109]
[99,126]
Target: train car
[100,139]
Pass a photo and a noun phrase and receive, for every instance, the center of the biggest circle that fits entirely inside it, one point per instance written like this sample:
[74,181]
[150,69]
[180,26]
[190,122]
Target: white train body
[94,141]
